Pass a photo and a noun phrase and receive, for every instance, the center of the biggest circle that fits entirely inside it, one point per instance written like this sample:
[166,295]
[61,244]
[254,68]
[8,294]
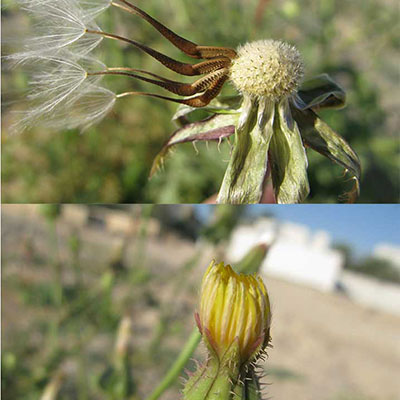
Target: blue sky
[361,226]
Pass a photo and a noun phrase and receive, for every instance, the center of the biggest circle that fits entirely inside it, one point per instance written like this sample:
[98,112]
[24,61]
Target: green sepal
[320,137]
[217,379]
[214,128]
[244,177]
[320,92]
[200,383]
[288,159]
[228,374]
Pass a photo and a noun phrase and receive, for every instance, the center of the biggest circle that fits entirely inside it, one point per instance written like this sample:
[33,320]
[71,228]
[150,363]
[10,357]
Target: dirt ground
[324,346]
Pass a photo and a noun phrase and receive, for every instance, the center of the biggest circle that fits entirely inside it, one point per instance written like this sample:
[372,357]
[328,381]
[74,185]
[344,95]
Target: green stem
[57,288]
[178,365]
[58,284]
[140,247]
[82,368]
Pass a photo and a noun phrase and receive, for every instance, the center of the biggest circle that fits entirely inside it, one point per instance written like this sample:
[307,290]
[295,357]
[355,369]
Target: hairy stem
[178,365]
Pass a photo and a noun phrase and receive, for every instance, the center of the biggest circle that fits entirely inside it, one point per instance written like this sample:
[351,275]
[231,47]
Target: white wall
[315,267]
[296,254]
[371,292]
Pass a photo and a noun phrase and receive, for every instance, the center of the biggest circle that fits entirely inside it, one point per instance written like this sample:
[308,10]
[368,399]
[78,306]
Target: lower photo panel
[147,302]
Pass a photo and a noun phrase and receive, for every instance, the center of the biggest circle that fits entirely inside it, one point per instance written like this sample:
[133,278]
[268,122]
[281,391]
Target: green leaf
[288,159]
[320,92]
[216,128]
[320,137]
[252,261]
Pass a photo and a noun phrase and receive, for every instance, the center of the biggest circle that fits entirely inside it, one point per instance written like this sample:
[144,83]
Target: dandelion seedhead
[234,320]
[267,68]
[273,119]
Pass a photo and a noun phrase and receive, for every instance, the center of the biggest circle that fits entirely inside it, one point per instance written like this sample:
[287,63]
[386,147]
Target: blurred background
[97,302]
[354,41]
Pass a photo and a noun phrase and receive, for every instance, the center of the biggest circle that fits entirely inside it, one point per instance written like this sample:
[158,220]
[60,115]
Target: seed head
[234,307]
[267,68]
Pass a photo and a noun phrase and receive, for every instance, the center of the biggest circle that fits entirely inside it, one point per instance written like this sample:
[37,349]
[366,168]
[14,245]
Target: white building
[296,254]
[301,256]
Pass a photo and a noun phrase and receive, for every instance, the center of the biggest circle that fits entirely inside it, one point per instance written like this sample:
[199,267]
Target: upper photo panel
[233,101]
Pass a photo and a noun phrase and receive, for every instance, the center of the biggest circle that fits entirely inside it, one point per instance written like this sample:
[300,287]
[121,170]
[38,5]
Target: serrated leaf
[320,137]
[288,160]
[320,92]
[214,128]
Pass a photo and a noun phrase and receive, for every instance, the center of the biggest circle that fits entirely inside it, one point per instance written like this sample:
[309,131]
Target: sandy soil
[329,348]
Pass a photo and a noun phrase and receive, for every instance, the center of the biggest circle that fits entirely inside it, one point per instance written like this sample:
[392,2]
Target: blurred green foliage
[75,340]
[376,267]
[225,219]
[354,41]
[379,268]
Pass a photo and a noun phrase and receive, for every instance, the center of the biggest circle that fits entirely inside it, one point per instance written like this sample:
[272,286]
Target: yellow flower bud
[234,307]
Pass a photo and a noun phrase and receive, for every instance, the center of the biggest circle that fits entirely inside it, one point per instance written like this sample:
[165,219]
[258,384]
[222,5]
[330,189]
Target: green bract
[223,380]
[270,138]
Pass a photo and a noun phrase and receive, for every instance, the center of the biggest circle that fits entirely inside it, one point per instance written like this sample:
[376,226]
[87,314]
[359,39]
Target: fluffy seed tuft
[63,95]
[59,25]
[267,68]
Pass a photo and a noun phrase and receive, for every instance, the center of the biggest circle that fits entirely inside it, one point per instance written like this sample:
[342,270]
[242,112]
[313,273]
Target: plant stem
[178,365]
[142,235]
